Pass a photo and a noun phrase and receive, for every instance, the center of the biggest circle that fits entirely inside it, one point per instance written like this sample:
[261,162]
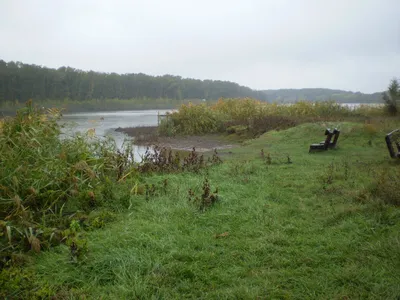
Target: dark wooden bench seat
[393,139]
[333,143]
[324,145]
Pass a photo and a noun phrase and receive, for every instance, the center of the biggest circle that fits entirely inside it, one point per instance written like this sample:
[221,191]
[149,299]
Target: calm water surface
[105,123]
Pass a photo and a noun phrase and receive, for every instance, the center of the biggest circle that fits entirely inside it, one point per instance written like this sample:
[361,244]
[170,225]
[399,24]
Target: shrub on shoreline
[44,178]
[256,117]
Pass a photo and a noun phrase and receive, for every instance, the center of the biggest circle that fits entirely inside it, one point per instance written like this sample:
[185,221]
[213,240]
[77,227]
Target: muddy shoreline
[147,136]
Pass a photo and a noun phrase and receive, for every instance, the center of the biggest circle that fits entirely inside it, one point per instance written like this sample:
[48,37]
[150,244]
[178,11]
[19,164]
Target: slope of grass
[309,229]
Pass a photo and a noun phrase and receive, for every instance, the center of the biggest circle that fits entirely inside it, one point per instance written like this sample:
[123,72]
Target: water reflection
[104,124]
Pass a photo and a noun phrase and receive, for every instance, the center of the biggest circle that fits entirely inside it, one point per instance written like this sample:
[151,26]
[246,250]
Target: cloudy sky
[264,44]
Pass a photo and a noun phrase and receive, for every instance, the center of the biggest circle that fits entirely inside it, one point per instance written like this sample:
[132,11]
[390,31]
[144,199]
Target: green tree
[391,97]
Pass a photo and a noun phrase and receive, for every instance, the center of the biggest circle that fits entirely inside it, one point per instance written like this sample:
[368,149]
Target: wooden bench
[323,145]
[333,143]
[393,138]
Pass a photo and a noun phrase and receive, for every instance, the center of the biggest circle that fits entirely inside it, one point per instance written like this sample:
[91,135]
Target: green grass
[305,230]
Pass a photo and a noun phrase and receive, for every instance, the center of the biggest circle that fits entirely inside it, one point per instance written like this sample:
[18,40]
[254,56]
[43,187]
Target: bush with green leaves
[391,98]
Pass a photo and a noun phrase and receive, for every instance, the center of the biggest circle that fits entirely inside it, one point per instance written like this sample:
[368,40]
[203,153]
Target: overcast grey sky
[264,44]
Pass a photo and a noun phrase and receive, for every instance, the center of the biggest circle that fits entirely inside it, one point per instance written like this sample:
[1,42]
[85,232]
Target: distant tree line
[19,81]
[320,94]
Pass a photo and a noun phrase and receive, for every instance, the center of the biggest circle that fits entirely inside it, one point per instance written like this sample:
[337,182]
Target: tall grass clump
[191,119]
[386,186]
[238,109]
[255,117]
[45,181]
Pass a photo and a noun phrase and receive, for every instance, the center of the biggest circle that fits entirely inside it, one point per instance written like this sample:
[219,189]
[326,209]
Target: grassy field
[291,225]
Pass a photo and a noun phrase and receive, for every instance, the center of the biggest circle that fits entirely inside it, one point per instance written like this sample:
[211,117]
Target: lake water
[105,123]
[356,105]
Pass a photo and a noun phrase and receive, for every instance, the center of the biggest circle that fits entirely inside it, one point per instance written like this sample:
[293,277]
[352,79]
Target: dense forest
[20,82]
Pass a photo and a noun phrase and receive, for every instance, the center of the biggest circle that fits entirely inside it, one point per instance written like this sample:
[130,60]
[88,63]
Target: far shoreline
[11,112]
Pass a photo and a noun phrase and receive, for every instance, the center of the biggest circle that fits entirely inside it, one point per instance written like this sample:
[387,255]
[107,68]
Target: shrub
[391,98]
[191,119]
[207,199]
[166,127]
[43,178]
[240,110]
[161,159]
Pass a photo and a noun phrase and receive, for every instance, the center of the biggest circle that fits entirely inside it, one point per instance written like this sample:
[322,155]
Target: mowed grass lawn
[309,229]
